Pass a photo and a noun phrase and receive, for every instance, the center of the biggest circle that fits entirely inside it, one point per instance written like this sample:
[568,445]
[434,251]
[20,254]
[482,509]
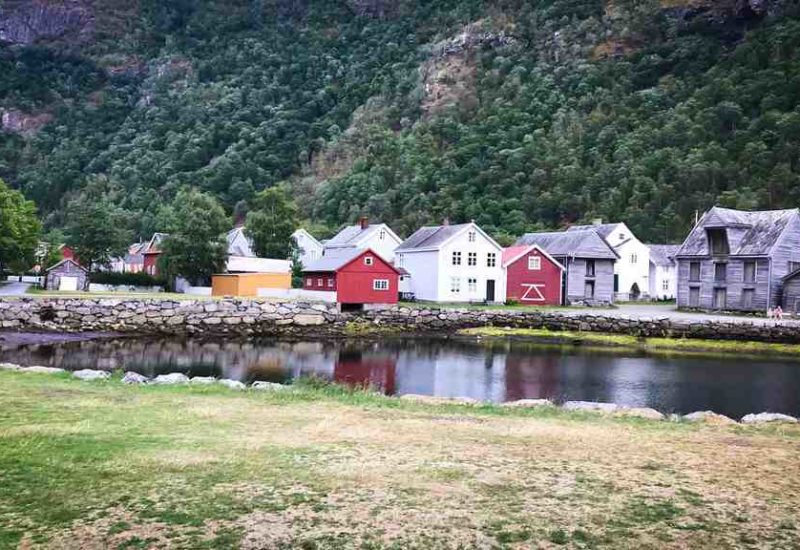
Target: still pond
[492,371]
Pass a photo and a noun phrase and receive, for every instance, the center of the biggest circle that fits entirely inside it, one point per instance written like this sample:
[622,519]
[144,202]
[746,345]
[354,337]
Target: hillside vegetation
[517,114]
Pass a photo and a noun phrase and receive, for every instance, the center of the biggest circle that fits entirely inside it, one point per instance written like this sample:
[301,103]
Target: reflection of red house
[151,253]
[356,276]
[533,277]
[532,376]
[377,371]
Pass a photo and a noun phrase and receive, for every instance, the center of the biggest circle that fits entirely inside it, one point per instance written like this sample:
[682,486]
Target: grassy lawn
[650,345]
[101,465]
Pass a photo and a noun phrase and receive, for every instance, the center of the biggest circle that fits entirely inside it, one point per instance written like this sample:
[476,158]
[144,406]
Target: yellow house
[247,275]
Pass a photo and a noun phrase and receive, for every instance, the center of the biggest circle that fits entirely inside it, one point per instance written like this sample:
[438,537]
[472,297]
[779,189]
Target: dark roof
[431,236]
[585,243]
[604,229]
[352,234]
[761,231]
[792,275]
[663,254]
[336,258]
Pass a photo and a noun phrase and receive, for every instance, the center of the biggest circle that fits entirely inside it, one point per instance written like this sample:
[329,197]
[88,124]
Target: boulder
[232,384]
[42,370]
[528,403]
[307,320]
[708,417]
[766,417]
[590,406]
[434,400]
[134,378]
[172,378]
[203,380]
[9,366]
[268,386]
[641,412]
[89,374]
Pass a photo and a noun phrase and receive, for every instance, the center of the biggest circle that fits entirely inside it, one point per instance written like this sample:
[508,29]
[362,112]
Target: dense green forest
[519,114]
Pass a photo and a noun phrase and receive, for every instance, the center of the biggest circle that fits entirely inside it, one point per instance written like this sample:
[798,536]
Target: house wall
[633,267]
[312,279]
[311,250]
[67,269]
[354,283]
[786,251]
[534,287]
[247,284]
[791,295]
[480,272]
[424,270]
[734,284]
[150,264]
[658,275]
[382,246]
[576,280]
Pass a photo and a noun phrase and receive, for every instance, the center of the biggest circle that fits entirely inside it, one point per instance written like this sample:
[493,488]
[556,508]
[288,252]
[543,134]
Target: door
[68,284]
[720,298]
[490,290]
[694,297]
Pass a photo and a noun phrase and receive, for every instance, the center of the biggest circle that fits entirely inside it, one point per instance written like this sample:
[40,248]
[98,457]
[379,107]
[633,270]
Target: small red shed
[533,277]
[357,277]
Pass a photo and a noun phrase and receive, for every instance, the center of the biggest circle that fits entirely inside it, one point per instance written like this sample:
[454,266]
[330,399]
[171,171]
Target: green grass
[102,464]
[649,345]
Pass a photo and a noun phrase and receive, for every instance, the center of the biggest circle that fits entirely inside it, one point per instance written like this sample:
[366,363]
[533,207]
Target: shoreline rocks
[131,377]
[768,418]
[708,417]
[169,379]
[89,374]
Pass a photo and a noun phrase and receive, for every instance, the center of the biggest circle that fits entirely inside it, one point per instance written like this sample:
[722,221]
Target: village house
[533,277]
[663,271]
[358,278]
[67,275]
[791,293]
[632,270]
[738,261]
[379,237]
[308,247]
[588,262]
[453,263]
[151,253]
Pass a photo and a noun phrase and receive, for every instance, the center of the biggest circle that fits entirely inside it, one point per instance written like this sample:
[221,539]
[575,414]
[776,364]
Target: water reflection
[453,368]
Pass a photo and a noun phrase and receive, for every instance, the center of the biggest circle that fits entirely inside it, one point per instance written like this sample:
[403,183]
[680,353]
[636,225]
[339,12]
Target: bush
[125,279]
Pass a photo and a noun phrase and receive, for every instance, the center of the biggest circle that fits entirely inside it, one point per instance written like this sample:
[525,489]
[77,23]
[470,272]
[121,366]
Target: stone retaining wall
[257,317]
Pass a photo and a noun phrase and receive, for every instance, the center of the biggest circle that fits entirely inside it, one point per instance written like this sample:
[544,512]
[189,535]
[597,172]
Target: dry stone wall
[257,317]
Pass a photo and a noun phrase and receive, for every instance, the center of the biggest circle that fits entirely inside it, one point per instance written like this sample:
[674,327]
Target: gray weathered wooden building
[67,275]
[791,292]
[737,261]
[588,262]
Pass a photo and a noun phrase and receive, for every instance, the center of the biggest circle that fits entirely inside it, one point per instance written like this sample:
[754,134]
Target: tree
[271,223]
[96,229]
[19,229]
[196,247]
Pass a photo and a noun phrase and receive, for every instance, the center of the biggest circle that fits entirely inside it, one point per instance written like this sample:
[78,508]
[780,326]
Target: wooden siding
[534,287]
[791,295]
[576,279]
[734,284]
[786,250]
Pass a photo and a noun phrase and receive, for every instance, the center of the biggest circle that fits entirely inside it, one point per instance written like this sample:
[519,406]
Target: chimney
[446,222]
[363,221]
[597,221]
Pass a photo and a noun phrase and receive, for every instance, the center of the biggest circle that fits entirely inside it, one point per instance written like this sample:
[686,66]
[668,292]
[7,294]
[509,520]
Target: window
[491,259]
[720,272]
[369,260]
[330,282]
[665,285]
[720,298]
[471,237]
[456,258]
[588,289]
[718,242]
[750,272]
[399,260]
[534,263]
[382,234]
[472,259]
[694,271]
[472,285]
[590,268]
[622,236]
[309,282]
[380,284]
[694,296]
[794,266]
[748,296]
[455,285]
[634,258]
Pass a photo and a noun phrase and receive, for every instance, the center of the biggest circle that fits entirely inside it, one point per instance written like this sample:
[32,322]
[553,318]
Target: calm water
[453,368]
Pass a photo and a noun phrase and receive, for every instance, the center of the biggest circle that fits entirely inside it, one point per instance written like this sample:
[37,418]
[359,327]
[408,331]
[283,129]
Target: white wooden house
[453,263]
[663,271]
[378,237]
[632,270]
[309,248]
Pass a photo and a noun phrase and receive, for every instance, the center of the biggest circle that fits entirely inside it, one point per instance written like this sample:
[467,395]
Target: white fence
[95,287]
[33,279]
[298,294]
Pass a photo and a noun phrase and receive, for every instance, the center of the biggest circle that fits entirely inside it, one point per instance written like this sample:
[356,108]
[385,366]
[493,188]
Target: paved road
[653,311]
[13,289]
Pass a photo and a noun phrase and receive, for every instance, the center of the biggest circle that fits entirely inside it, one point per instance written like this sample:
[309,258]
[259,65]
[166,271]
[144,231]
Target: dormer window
[718,242]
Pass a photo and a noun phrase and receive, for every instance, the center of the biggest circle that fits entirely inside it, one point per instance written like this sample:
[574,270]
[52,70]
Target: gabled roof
[302,231]
[336,259]
[64,261]
[605,229]
[434,237]
[663,254]
[514,253]
[239,244]
[586,243]
[152,244]
[762,230]
[355,235]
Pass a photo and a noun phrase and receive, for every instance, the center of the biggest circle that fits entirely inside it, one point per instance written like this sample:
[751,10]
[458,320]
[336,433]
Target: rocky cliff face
[29,21]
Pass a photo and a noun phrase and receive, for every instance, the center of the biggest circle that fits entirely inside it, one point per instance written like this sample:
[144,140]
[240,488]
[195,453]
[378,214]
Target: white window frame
[310,282]
[456,257]
[472,285]
[320,282]
[472,236]
[534,263]
[491,259]
[455,285]
[472,259]
[665,284]
[380,284]
[330,282]
[369,260]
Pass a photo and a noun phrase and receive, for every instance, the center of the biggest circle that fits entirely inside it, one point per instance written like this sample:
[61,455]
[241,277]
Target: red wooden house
[151,252]
[357,277]
[533,277]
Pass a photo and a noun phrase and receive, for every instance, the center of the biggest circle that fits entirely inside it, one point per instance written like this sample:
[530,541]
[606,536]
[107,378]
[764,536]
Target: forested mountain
[519,114]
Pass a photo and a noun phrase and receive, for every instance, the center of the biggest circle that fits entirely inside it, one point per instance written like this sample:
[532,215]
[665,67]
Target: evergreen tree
[271,222]
[96,229]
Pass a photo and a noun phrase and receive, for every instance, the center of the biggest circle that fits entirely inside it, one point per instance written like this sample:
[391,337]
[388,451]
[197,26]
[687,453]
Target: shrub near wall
[126,279]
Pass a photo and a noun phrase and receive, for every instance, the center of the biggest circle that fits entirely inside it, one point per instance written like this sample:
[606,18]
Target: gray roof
[430,237]
[352,234]
[604,229]
[761,230]
[585,243]
[663,254]
[334,259]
